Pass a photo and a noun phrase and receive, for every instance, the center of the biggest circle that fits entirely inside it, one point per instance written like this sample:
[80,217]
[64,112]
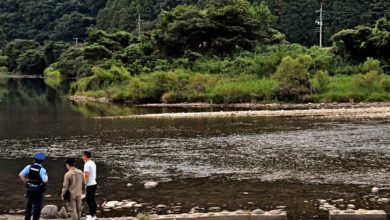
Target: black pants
[34,200]
[90,199]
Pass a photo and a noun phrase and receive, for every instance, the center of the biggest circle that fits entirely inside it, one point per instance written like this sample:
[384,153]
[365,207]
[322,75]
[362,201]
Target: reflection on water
[204,162]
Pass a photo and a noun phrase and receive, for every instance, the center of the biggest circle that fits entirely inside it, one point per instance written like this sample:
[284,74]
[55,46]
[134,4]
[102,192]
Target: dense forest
[202,50]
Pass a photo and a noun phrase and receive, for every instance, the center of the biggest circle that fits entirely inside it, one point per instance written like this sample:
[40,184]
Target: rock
[258,212]
[275,212]
[47,196]
[322,201]
[251,203]
[161,207]
[129,185]
[281,207]
[375,190]
[129,204]
[350,206]
[110,204]
[196,209]
[383,200]
[177,209]
[150,184]
[239,212]
[338,200]
[106,210]
[20,212]
[137,205]
[349,211]
[49,212]
[245,193]
[63,213]
[215,209]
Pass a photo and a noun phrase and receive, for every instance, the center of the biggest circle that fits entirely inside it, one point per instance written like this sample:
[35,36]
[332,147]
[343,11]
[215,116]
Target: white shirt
[90,167]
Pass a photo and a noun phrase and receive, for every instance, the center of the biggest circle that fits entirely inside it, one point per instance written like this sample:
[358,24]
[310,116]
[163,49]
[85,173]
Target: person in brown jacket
[72,189]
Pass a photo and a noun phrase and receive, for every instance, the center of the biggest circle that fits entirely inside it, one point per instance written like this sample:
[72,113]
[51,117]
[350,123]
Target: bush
[385,83]
[171,97]
[31,62]
[96,52]
[3,61]
[292,76]
[320,81]
[370,80]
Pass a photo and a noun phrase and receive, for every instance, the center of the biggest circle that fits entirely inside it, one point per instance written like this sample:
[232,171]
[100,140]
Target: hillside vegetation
[216,51]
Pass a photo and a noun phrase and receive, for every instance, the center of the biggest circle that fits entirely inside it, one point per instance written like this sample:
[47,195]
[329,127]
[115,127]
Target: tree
[15,49]
[293,79]
[222,26]
[363,41]
[31,62]
[73,25]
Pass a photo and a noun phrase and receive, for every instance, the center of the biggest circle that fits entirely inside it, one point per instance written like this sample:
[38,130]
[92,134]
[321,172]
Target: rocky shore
[382,112]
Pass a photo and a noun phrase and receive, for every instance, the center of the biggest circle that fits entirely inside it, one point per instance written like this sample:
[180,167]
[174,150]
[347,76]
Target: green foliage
[3,61]
[31,62]
[320,82]
[292,76]
[16,48]
[96,52]
[102,79]
[364,41]
[47,19]
[220,27]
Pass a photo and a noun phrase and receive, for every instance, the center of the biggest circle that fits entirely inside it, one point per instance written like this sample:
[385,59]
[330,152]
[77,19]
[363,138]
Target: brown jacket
[74,181]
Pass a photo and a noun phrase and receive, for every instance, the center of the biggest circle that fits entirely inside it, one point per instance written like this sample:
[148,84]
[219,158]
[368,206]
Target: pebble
[215,209]
[161,206]
[177,209]
[275,212]
[383,200]
[129,185]
[281,207]
[111,204]
[350,206]
[49,212]
[258,212]
[245,193]
[150,184]
[375,190]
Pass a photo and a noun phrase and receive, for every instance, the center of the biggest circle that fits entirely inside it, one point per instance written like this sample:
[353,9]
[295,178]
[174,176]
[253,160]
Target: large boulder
[49,212]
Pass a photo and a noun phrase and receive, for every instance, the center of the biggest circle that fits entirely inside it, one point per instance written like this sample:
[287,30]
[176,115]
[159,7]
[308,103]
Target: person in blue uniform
[35,178]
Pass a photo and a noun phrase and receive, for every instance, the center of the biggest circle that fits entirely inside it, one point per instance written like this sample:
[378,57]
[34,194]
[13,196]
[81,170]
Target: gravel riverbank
[347,113]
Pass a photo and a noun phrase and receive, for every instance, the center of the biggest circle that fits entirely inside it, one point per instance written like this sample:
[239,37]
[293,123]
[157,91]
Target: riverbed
[232,163]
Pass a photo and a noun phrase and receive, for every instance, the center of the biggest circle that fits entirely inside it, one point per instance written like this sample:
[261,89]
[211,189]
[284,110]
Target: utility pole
[139,25]
[76,41]
[320,23]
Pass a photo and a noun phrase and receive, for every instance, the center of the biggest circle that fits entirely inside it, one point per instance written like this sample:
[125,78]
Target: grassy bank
[186,86]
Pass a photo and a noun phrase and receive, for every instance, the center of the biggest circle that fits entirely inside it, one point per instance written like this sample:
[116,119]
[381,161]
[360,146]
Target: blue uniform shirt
[42,172]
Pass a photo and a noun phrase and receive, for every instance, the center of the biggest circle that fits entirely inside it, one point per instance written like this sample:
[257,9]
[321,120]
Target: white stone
[275,212]
[383,200]
[150,184]
[129,204]
[49,212]
[375,190]
[111,204]
[129,185]
[258,212]
[350,206]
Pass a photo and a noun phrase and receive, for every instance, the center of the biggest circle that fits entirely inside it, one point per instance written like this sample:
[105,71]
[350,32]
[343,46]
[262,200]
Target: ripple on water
[351,153]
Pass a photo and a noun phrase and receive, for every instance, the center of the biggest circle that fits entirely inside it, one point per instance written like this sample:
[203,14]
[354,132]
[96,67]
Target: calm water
[243,163]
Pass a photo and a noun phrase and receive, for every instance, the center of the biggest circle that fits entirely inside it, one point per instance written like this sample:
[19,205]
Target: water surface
[233,163]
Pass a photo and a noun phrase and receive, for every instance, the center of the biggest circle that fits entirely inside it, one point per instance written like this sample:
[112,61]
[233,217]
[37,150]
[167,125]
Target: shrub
[369,80]
[385,83]
[292,76]
[320,81]
[96,52]
[171,97]
[31,62]
[3,61]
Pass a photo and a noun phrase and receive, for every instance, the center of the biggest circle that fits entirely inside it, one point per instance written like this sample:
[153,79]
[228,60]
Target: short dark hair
[38,161]
[87,154]
[71,162]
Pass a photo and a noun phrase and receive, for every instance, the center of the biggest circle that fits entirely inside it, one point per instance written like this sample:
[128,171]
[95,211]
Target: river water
[232,163]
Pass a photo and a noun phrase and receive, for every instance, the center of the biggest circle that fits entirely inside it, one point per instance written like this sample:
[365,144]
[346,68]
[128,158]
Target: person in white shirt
[90,182]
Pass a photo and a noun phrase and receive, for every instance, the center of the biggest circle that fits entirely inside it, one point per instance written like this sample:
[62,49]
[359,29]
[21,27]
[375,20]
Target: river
[232,163]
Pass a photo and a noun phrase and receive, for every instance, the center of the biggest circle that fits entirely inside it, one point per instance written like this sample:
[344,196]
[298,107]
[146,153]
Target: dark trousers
[34,202]
[90,199]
